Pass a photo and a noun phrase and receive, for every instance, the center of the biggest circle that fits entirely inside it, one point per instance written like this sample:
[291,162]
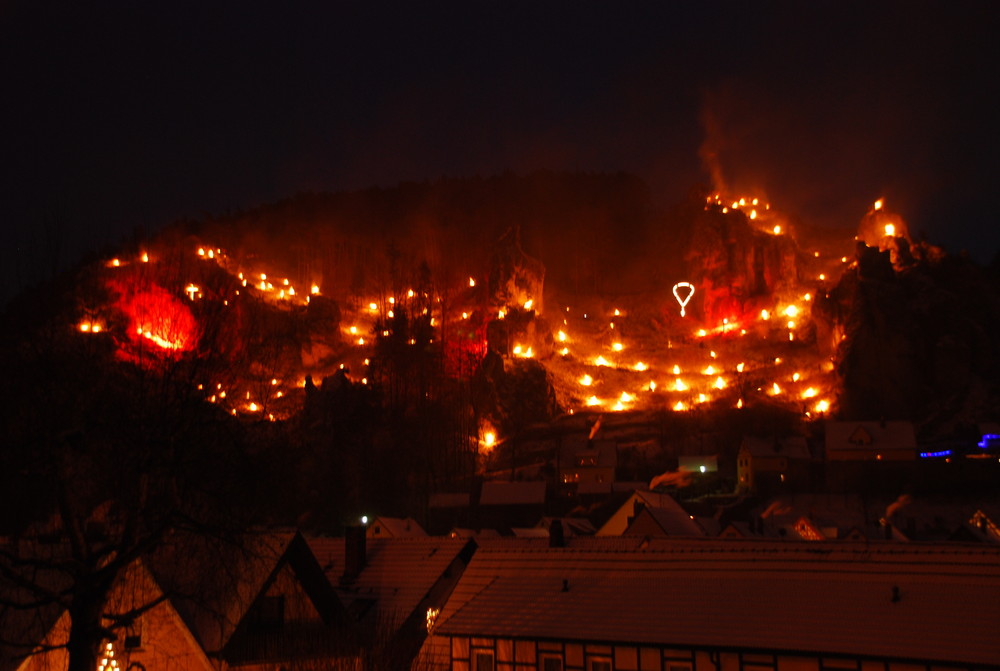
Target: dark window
[133,635]
[484,661]
[600,664]
[269,613]
[550,663]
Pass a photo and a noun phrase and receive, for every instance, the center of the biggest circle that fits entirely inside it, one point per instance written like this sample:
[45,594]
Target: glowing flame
[809,393]
[472,282]
[775,389]
[640,366]
[680,406]
[890,230]
[432,614]
[822,406]
[528,303]
[586,380]
[626,397]
[601,361]
[593,401]
[679,385]
[710,370]
[677,369]
[561,336]
[777,230]
[739,367]
[878,204]
[720,383]
[618,347]
[765,315]
[791,311]
[159,317]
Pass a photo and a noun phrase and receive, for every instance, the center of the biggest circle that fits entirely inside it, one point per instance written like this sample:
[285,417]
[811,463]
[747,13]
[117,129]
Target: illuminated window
[483,661]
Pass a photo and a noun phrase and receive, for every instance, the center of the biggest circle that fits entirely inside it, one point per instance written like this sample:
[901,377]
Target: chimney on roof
[557,537]
[355,552]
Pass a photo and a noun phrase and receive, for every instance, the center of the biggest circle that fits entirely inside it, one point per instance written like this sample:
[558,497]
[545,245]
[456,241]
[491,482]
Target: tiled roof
[665,522]
[398,572]
[918,602]
[619,521]
[214,584]
[395,527]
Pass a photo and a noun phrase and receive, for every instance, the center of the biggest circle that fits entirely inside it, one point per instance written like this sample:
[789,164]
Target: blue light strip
[942,453]
[987,439]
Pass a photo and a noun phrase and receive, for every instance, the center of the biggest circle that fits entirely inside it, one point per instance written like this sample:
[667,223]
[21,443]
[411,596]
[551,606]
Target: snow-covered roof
[398,572]
[792,447]
[915,602]
[857,437]
[619,521]
[663,522]
[395,527]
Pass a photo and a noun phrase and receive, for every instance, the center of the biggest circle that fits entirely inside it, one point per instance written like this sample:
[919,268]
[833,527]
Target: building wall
[462,653]
[158,641]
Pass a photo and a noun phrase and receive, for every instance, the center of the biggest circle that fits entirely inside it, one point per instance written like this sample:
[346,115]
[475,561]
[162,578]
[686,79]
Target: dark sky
[125,115]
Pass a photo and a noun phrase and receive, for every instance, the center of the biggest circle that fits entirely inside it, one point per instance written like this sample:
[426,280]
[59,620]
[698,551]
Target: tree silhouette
[108,448]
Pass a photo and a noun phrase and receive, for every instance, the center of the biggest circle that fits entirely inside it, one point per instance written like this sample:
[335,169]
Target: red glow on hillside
[157,317]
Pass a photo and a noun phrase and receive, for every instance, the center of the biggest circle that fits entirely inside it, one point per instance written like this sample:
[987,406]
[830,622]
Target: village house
[157,638]
[870,441]
[767,465]
[621,604]
[504,505]
[260,604]
[591,465]
[390,587]
[394,527]
[670,518]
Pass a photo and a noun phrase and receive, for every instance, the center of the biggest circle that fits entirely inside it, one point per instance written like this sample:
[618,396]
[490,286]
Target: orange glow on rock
[159,317]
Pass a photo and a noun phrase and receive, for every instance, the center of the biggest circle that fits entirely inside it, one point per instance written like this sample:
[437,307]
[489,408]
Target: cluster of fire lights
[595,363]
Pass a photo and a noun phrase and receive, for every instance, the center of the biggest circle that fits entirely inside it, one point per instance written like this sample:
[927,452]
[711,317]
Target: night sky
[124,116]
